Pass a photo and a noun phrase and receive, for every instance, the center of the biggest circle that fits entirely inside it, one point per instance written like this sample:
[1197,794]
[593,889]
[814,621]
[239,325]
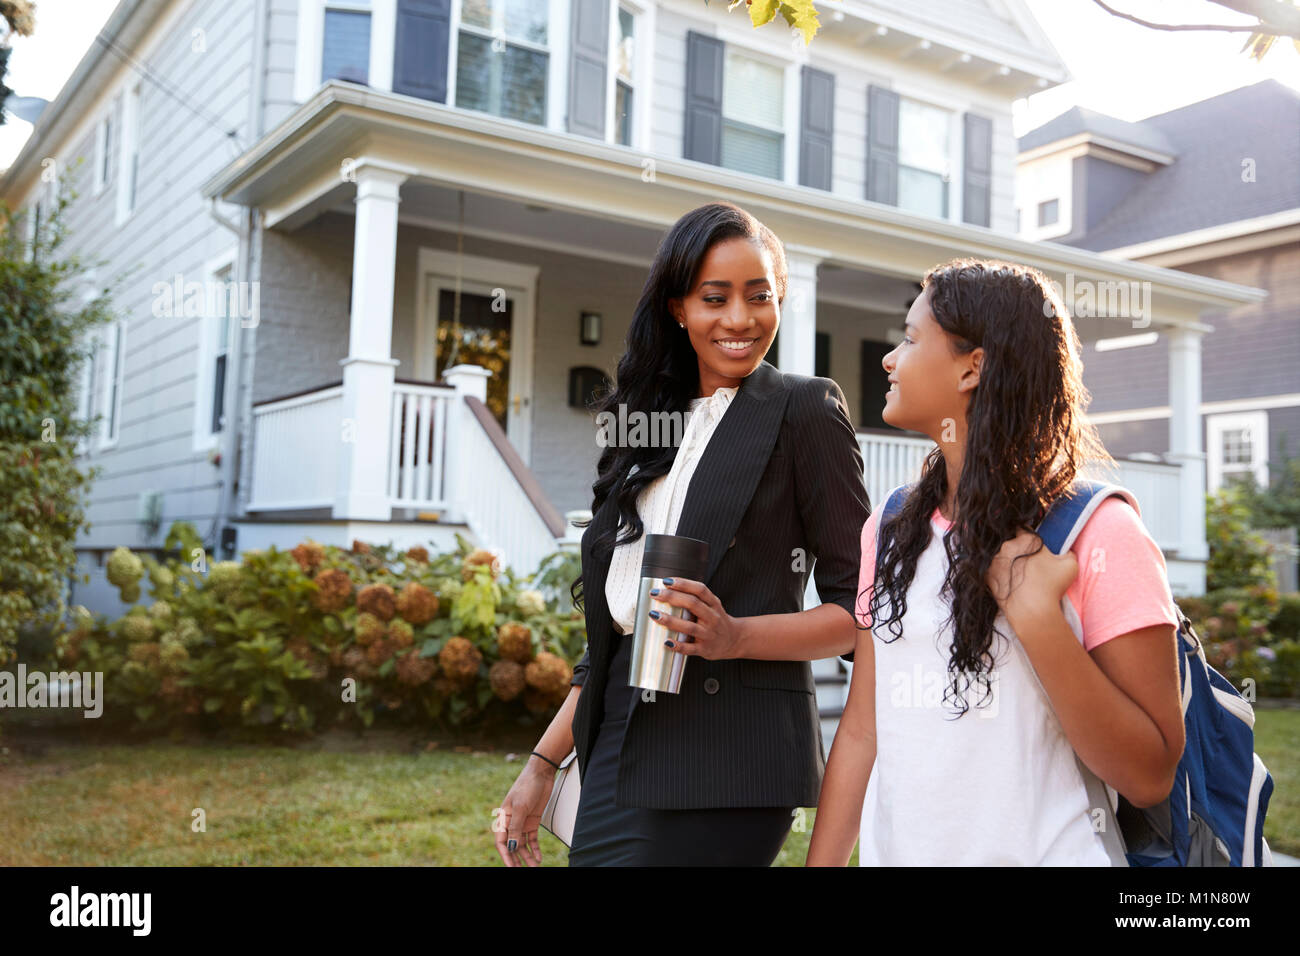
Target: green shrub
[278,641]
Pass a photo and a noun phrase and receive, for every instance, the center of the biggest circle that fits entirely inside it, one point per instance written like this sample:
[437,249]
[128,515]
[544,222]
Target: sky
[1120,68]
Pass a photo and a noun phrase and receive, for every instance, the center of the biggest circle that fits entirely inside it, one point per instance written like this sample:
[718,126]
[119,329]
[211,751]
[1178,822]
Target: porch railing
[892,460]
[417,474]
[295,446]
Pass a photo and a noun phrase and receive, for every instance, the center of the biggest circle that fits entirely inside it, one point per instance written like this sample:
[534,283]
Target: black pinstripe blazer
[780,477]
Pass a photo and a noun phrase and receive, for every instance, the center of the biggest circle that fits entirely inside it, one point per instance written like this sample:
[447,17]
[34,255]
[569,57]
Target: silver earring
[681,325]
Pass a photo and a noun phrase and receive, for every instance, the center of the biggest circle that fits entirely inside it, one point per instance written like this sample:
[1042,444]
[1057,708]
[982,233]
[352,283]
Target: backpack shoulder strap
[893,505]
[1059,529]
[1069,513]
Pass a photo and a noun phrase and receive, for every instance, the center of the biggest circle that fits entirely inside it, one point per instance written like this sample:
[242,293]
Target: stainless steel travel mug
[654,666]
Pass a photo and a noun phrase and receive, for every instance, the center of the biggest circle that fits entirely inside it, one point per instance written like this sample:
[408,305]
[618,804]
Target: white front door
[495,326]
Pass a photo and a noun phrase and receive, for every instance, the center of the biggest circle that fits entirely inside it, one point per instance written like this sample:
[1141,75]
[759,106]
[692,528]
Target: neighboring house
[1211,189]
[346,168]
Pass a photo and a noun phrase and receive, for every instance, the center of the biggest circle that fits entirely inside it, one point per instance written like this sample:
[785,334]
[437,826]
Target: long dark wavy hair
[1026,439]
[659,370]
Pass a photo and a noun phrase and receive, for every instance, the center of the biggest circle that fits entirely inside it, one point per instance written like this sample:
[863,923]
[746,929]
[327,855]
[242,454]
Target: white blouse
[660,506]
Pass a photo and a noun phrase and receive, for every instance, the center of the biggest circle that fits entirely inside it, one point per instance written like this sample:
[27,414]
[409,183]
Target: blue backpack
[1214,815]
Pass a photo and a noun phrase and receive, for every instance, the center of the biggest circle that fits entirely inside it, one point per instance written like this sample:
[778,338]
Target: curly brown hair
[1026,440]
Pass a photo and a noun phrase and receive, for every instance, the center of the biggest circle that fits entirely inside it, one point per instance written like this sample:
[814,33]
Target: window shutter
[421,49]
[882,145]
[587,63]
[977,169]
[816,128]
[703,131]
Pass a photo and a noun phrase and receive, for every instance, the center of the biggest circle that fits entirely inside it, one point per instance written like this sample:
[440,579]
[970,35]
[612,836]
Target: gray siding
[1253,352]
[170,232]
[281,50]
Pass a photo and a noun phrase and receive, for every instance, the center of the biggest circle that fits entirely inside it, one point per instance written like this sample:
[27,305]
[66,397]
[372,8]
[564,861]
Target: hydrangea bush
[320,635]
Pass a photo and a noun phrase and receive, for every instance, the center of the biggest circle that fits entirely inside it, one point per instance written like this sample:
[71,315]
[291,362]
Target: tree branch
[1267,29]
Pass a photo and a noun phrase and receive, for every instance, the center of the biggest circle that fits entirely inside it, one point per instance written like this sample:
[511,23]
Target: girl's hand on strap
[713,635]
[1028,580]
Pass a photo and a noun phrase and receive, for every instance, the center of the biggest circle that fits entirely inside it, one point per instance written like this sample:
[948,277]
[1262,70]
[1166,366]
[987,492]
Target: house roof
[1207,183]
[1080,120]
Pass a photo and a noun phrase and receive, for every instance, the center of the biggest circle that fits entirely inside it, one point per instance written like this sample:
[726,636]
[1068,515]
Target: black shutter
[589,51]
[882,145]
[816,128]
[421,49]
[219,392]
[703,133]
[977,170]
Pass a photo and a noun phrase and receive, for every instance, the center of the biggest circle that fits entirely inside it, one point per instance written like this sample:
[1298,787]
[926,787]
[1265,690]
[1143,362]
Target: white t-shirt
[660,505]
[998,786]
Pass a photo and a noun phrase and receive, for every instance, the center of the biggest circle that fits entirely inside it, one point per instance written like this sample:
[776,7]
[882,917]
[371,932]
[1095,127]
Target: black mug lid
[669,554]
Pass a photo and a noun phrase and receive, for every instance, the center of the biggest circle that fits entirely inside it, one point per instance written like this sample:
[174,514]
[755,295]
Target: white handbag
[561,813]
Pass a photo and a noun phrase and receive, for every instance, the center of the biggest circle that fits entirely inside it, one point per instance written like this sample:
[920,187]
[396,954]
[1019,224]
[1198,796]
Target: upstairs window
[753,110]
[924,158]
[345,53]
[502,58]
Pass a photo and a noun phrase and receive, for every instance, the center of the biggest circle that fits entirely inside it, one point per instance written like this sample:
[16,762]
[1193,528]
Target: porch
[552,230]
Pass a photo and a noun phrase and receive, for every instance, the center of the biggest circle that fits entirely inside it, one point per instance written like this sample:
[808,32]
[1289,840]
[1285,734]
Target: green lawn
[337,801]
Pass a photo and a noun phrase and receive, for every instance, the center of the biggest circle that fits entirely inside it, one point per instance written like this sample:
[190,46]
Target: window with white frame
[129,155]
[217,337]
[1238,447]
[1049,213]
[753,111]
[345,47]
[103,172]
[624,75]
[503,58]
[113,365]
[924,157]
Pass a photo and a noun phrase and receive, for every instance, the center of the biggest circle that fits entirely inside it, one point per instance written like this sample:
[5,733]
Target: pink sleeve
[867,571]
[1122,584]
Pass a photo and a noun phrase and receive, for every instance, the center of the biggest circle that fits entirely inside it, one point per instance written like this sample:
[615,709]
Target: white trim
[642,73]
[1085,139]
[86,379]
[383,44]
[99,180]
[129,154]
[1198,237]
[1154,412]
[208,331]
[113,338]
[1256,422]
[483,272]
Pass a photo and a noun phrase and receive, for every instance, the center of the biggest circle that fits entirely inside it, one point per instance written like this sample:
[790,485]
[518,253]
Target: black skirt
[606,834]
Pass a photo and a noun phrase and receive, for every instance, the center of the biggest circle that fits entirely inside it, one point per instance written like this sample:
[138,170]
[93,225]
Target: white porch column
[1185,445]
[466,380]
[362,490]
[798,330]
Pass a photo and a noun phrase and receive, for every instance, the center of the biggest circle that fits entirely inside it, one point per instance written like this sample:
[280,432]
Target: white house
[364,165]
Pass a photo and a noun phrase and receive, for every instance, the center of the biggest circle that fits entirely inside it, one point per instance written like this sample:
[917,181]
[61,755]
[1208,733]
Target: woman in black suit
[712,774]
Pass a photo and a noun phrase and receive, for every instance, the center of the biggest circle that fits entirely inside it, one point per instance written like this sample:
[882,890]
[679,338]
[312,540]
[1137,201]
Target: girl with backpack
[973,701]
